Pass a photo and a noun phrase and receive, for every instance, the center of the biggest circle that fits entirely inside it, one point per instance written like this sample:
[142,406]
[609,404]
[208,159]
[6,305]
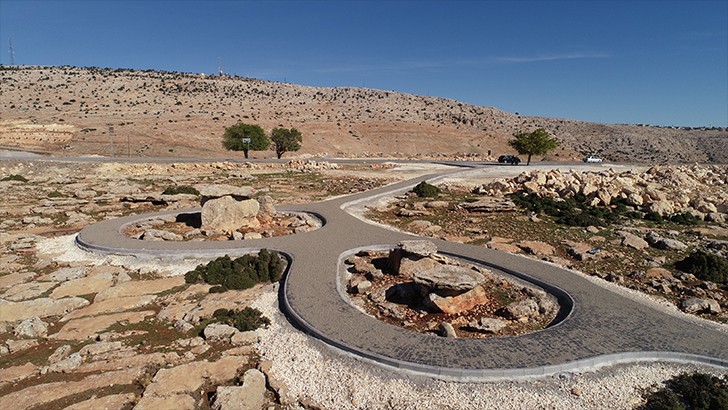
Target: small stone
[219,332]
[31,328]
[488,325]
[447,330]
[576,391]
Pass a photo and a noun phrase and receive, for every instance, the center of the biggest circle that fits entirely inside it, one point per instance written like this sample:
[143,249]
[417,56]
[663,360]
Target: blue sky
[653,62]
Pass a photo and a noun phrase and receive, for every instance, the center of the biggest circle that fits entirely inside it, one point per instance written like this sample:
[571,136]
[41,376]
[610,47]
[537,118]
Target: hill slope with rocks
[79,111]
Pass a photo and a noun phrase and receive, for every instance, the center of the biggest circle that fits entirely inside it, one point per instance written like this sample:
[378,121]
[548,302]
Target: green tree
[286,140]
[538,142]
[235,138]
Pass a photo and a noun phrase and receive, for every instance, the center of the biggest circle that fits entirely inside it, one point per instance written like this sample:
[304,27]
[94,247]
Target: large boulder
[212,191]
[633,241]
[448,280]
[456,304]
[227,214]
[419,248]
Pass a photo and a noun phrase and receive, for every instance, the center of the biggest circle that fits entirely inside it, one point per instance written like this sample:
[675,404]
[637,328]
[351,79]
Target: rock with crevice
[249,396]
[449,280]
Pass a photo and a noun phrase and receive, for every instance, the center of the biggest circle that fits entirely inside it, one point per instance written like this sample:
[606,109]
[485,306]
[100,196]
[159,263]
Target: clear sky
[652,62]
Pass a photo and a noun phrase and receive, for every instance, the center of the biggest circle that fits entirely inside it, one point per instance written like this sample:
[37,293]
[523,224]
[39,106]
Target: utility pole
[11,52]
[111,139]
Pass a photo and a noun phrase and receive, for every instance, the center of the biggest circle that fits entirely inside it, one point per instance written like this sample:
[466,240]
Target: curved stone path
[599,327]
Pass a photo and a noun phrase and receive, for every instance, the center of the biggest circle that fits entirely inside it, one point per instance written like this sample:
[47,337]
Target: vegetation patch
[696,391]
[181,189]
[243,320]
[424,190]
[705,266]
[241,273]
[15,177]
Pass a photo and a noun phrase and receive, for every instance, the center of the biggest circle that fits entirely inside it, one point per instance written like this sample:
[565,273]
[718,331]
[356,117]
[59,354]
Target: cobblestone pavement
[598,326]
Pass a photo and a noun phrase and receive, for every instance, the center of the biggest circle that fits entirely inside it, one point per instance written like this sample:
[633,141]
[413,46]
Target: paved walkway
[599,327]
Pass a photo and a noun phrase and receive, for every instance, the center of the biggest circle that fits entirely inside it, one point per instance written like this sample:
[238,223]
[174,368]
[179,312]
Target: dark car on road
[509,159]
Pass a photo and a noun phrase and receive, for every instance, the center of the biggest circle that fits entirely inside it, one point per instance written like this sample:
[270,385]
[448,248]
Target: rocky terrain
[631,228]
[414,287]
[79,330]
[81,111]
[92,331]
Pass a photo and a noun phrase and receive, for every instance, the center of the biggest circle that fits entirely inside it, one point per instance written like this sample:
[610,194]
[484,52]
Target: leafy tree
[538,142]
[286,140]
[233,138]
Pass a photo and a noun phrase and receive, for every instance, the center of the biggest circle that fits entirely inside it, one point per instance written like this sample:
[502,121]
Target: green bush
[652,216]
[571,211]
[243,320]
[241,273]
[684,218]
[705,266]
[181,189]
[698,391]
[423,190]
[15,177]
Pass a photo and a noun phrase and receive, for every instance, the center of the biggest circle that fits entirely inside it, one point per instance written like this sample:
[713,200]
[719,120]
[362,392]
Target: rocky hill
[77,111]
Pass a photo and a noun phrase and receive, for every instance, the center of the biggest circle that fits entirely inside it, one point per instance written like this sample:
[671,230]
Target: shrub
[181,189]
[684,218]
[705,266]
[14,177]
[652,216]
[243,320]
[423,190]
[242,273]
[697,391]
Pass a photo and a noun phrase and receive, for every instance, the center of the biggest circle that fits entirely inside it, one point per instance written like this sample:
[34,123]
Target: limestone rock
[633,241]
[244,338]
[31,328]
[249,396]
[659,242]
[213,191]
[658,273]
[30,290]
[447,330]
[536,247]
[448,279]
[160,235]
[227,214]
[41,307]
[457,304]
[488,325]
[59,354]
[66,365]
[219,332]
[521,310]
[15,373]
[84,286]
[419,248]
[698,305]
[113,401]
[409,267]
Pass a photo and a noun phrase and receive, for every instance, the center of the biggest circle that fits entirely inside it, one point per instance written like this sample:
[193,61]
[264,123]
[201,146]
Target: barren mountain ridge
[119,112]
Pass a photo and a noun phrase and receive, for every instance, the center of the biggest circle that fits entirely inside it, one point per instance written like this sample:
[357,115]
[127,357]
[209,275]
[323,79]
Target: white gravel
[335,380]
[63,249]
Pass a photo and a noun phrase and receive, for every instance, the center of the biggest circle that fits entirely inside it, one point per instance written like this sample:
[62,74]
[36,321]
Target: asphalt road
[598,327]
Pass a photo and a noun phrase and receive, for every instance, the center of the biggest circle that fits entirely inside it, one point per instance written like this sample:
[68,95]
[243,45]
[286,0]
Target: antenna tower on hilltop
[11,51]
[219,67]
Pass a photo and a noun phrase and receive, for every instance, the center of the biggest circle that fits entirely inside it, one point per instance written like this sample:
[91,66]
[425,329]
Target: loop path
[599,327]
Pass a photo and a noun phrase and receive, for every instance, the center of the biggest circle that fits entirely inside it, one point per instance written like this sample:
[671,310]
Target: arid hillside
[78,111]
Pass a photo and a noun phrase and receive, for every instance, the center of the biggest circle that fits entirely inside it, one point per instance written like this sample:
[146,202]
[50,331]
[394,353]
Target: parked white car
[592,159]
